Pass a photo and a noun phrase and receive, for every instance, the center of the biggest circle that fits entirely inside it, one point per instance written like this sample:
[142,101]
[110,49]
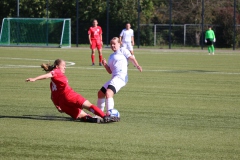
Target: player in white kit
[127,38]
[117,66]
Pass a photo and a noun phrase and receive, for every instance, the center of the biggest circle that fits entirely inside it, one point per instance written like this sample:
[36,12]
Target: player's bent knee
[109,93]
[101,92]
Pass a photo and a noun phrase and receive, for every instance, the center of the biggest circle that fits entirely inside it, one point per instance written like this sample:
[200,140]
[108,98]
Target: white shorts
[116,82]
[128,45]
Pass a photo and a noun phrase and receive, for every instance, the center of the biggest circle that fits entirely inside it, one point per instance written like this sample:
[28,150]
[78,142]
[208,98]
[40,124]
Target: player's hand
[121,44]
[214,40]
[139,68]
[205,41]
[59,109]
[30,80]
[104,61]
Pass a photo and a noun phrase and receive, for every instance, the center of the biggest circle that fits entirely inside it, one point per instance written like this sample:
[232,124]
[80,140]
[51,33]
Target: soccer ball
[114,113]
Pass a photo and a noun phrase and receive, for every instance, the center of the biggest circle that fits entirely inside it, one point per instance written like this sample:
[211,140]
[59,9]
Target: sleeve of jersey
[126,53]
[109,60]
[121,34]
[213,34]
[89,31]
[54,72]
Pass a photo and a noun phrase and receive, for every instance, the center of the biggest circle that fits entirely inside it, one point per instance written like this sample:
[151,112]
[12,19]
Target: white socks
[101,103]
[109,103]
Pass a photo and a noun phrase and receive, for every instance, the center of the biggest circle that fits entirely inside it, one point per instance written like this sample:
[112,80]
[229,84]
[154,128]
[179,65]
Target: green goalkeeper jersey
[209,34]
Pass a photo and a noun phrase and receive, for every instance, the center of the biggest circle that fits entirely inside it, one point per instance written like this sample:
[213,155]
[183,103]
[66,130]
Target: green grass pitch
[185,105]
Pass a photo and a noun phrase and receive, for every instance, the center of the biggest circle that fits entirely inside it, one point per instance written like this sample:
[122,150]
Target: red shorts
[96,44]
[72,104]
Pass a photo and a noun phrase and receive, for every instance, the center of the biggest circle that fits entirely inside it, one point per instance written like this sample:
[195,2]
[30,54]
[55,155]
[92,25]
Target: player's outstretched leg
[90,119]
[209,49]
[100,59]
[213,49]
[109,119]
[93,59]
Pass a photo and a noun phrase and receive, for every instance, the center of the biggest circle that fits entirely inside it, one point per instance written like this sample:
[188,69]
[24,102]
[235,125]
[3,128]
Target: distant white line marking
[158,70]
[28,66]
[71,64]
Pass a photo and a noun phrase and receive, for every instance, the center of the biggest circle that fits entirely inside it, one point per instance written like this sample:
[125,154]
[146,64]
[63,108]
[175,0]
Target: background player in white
[127,38]
[117,66]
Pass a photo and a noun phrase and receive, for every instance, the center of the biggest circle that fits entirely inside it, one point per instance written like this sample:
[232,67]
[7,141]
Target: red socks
[93,58]
[95,110]
[100,58]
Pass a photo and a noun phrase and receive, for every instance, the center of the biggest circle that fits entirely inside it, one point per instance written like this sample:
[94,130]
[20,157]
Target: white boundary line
[167,71]
[29,59]
[71,64]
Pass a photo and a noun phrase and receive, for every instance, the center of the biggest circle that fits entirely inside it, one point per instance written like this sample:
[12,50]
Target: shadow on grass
[41,117]
[51,118]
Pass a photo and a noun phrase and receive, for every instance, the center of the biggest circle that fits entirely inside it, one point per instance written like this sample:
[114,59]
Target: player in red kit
[95,40]
[65,98]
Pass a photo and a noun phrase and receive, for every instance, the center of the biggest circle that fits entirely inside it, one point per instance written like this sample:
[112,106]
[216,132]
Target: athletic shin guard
[95,110]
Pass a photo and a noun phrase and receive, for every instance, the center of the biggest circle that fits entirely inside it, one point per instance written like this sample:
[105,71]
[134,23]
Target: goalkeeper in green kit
[210,39]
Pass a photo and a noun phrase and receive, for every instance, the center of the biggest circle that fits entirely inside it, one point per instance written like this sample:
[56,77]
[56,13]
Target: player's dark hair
[57,62]
[48,67]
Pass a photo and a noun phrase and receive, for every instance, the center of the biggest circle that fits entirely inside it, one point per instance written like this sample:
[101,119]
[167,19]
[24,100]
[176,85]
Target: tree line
[121,11]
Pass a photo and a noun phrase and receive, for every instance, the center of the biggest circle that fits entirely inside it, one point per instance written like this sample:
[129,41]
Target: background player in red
[95,40]
[65,98]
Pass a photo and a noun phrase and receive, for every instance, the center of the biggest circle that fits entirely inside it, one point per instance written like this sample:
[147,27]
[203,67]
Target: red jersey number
[95,32]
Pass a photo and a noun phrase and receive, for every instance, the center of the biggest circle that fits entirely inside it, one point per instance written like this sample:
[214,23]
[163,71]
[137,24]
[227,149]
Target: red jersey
[95,32]
[59,86]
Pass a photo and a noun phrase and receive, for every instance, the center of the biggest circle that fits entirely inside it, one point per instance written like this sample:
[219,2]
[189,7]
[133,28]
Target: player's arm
[120,39]
[135,62]
[101,38]
[214,38]
[89,37]
[206,36]
[44,76]
[58,108]
[104,62]
[100,35]
[132,38]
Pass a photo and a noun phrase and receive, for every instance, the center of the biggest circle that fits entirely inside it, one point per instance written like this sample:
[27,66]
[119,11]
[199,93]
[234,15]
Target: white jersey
[118,63]
[126,35]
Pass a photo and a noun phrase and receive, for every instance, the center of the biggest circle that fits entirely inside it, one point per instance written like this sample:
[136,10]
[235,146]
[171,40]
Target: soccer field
[185,105]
